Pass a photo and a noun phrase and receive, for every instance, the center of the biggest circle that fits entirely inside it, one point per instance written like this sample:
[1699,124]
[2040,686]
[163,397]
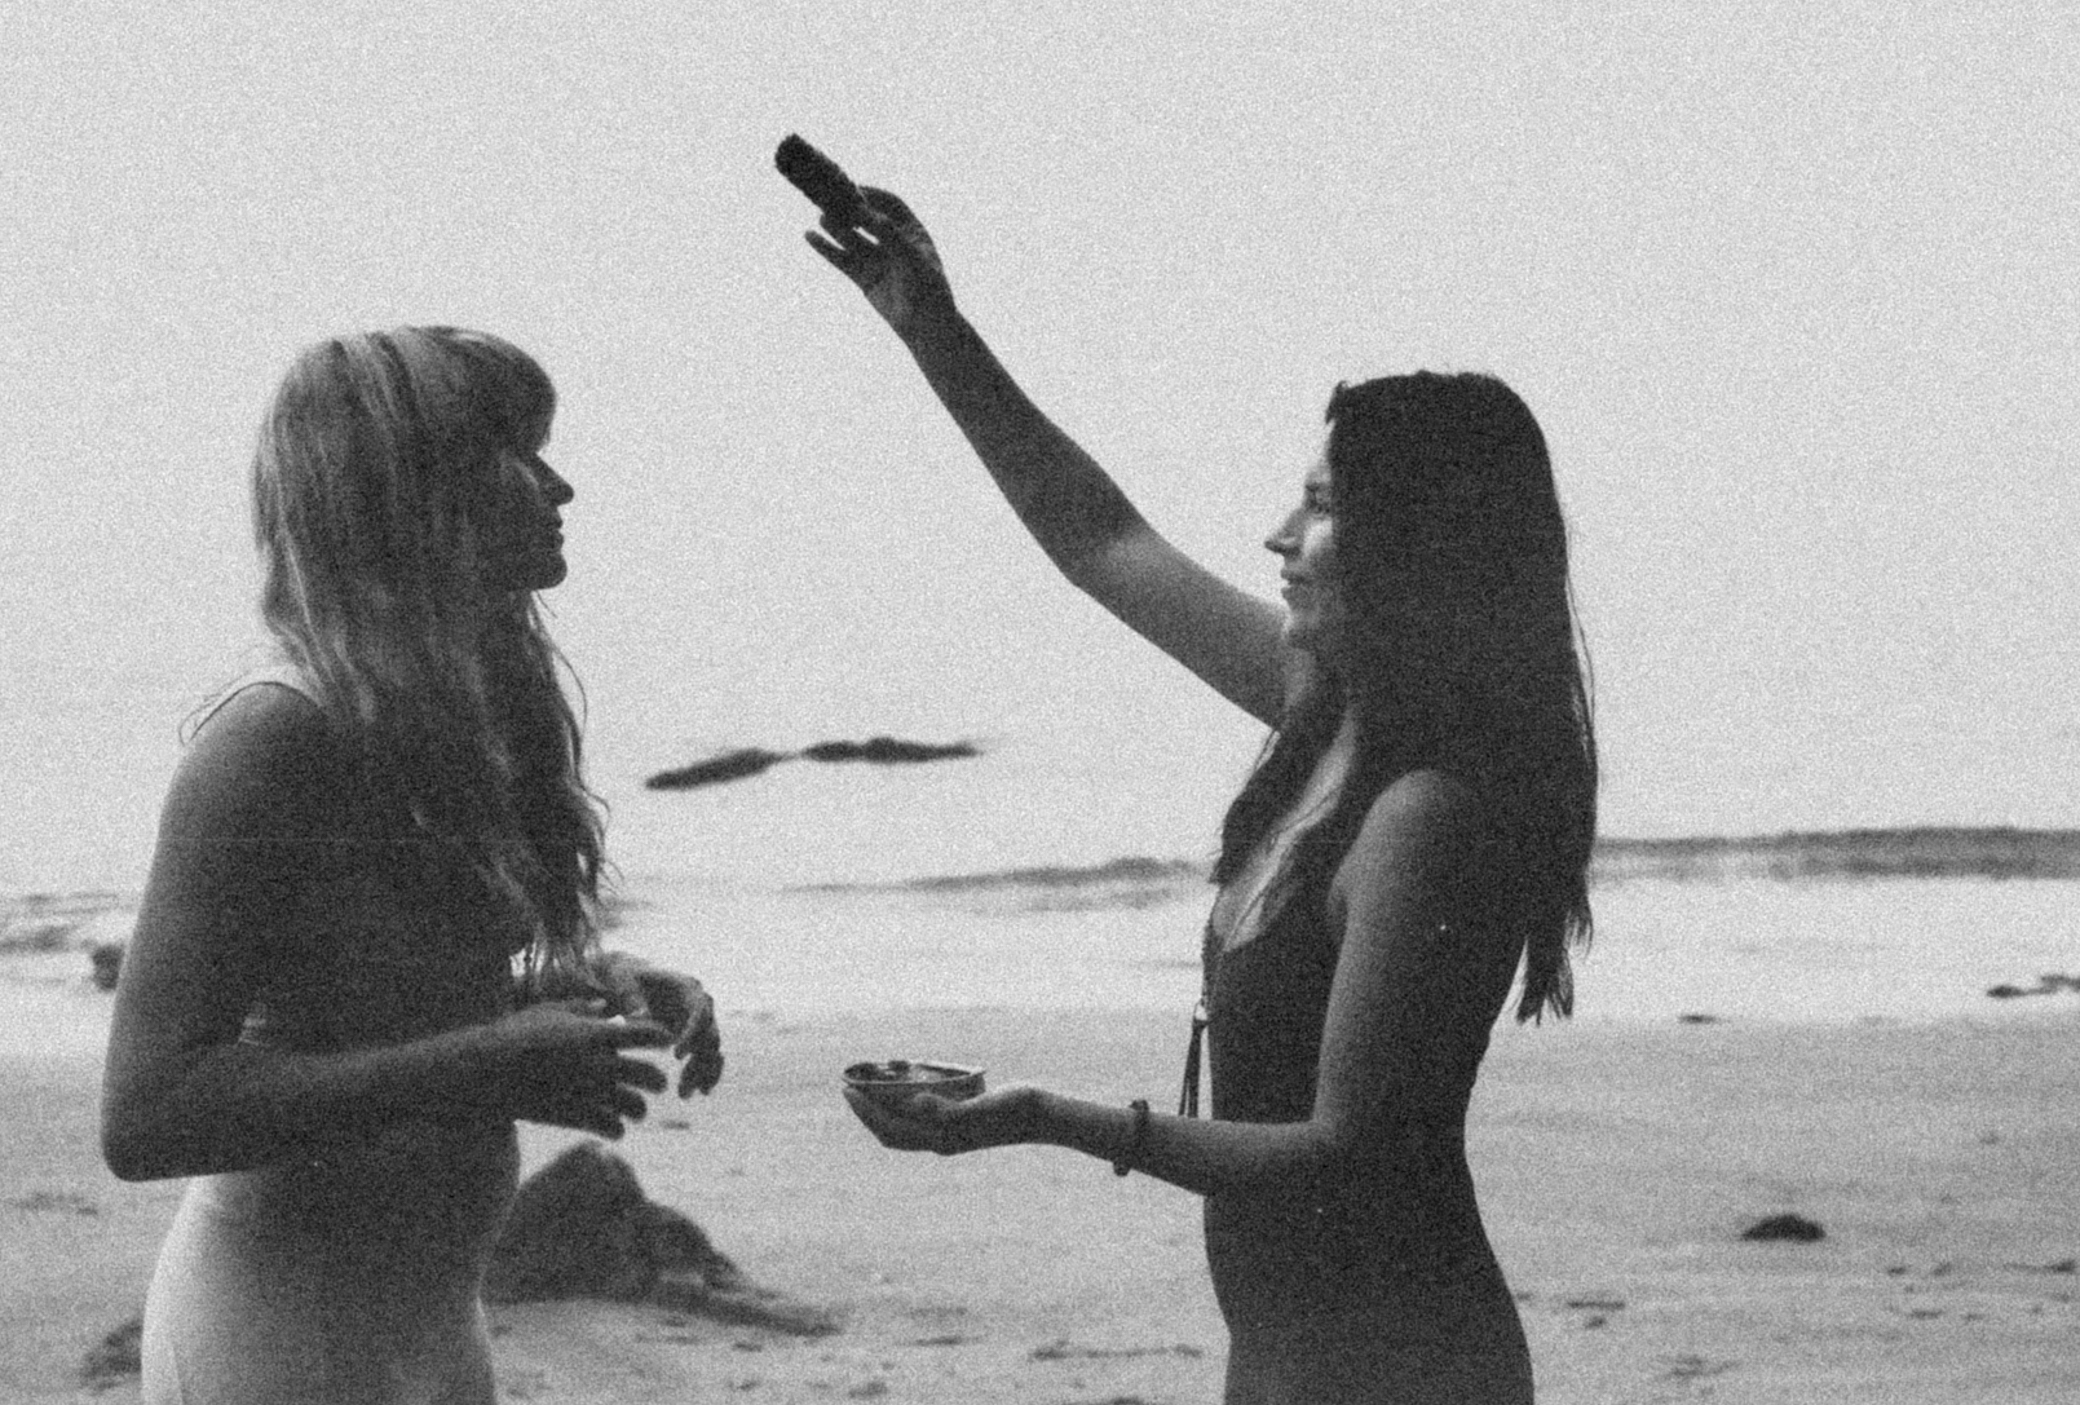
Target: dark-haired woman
[1416,831]
[367,944]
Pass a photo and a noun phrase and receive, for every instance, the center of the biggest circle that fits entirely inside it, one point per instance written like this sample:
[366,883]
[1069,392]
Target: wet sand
[1618,1166]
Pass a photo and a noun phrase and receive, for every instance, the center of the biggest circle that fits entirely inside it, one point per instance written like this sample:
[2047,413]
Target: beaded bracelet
[1140,1106]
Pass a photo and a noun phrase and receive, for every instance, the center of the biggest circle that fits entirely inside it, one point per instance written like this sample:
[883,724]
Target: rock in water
[729,766]
[886,751]
[1795,1228]
[581,1227]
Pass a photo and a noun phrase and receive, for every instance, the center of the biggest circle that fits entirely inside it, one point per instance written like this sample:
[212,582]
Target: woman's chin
[538,573]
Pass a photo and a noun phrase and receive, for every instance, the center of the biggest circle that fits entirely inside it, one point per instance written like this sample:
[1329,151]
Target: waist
[1303,1251]
[434,1190]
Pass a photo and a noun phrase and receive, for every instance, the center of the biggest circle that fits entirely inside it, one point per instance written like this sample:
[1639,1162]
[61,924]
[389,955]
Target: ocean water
[1016,879]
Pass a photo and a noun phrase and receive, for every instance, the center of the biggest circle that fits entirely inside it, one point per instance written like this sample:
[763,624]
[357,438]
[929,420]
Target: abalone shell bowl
[893,1081]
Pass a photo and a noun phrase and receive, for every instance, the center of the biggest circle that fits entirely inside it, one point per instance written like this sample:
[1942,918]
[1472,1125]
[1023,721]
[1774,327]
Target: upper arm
[232,833]
[1232,640]
[1416,975]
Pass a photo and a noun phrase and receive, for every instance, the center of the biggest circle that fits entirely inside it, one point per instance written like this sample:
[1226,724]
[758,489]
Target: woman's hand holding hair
[927,1122]
[892,259]
[562,1062]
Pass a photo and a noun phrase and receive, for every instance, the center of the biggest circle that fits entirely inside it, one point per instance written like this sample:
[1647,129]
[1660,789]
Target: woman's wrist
[1095,1129]
[478,1083]
[936,330]
[1137,1138]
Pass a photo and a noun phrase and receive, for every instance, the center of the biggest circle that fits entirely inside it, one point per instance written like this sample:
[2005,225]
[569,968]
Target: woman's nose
[1285,538]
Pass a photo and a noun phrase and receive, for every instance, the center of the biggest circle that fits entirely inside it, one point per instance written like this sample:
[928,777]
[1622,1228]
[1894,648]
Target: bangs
[514,399]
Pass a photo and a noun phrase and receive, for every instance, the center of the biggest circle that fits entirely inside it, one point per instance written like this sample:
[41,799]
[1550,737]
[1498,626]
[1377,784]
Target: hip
[247,1308]
[418,1192]
[1315,1249]
[1447,1334]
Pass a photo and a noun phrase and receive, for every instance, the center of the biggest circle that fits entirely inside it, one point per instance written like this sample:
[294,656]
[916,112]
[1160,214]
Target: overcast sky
[1794,289]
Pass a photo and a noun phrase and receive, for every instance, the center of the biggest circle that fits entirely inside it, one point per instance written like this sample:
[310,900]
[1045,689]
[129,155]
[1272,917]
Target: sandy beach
[1618,1166]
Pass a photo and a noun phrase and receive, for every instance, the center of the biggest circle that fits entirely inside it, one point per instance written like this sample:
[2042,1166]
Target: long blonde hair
[378,464]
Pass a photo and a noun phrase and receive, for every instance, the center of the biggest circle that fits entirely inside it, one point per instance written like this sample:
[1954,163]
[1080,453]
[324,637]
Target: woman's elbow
[1339,1150]
[131,1149]
[127,1159]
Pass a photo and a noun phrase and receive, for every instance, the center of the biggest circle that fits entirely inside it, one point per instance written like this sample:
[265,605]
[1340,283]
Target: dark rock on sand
[581,1227]
[108,963]
[1795,1228]
[728,766]
[888,751]
[114,1358]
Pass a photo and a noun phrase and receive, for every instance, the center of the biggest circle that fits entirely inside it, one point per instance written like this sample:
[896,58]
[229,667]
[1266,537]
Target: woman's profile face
[1305,543]
[522,542]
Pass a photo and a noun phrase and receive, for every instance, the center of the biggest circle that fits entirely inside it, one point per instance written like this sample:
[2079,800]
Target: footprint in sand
[62,1201]
[1696,1368]
[1062,1350]
[1598,1308]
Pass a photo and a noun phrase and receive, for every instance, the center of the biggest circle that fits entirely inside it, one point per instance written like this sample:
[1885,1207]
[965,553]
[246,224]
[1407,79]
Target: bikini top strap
[286,675]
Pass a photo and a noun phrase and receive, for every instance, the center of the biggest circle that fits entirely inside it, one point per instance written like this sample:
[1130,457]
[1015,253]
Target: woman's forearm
[1063,497]
[1200,1155]
[236,1107]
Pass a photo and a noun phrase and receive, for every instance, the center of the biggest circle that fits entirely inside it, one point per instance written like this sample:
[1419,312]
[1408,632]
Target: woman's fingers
[701,1073]
[639,1073]
[587,1006]
[603,1111]
[864,263]
[894,220]
[683,1006]
[627,1105]
[701,1048]
[624,986]
[633,1034]
[899,1128]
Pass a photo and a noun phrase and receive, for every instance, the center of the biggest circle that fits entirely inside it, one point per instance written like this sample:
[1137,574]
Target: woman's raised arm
[1230,639]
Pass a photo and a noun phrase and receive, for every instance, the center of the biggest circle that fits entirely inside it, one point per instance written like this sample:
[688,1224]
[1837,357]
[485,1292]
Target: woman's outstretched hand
[639,991]
[562,1062]
[891,258]
[928,1122]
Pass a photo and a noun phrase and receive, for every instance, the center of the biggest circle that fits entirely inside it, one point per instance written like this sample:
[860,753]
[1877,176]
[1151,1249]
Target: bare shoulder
[255,769]
[1420,837]
[1424,809]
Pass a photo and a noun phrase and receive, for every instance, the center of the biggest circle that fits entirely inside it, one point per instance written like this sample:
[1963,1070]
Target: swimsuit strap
[286,675]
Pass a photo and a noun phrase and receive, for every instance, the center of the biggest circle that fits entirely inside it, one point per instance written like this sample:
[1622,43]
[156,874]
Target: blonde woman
[367,946]
[1416,831]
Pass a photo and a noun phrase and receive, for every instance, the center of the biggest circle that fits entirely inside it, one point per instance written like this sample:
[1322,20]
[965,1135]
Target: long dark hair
[1462,653]
[378,462]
